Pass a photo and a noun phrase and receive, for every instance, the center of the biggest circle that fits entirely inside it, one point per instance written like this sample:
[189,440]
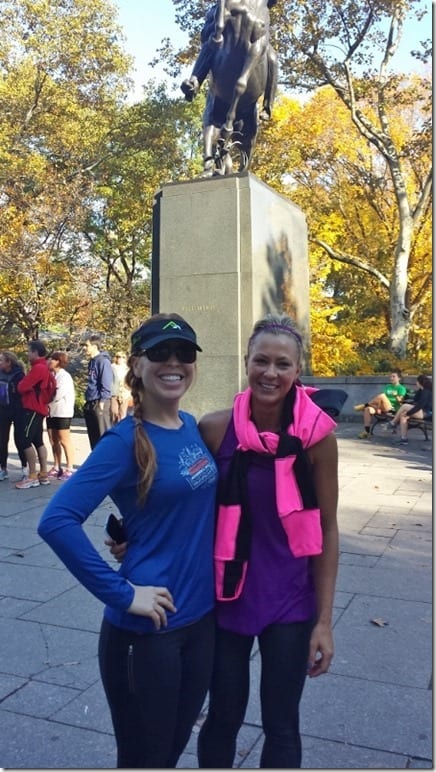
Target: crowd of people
[47,393]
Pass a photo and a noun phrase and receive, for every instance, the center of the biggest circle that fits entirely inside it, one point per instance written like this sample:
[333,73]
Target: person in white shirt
[59,419]
[120,392]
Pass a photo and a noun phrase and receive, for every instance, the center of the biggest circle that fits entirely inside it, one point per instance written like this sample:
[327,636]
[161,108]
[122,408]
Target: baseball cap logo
[171,326]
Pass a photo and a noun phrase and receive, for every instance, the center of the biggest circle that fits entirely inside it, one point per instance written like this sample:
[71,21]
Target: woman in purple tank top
[276,549]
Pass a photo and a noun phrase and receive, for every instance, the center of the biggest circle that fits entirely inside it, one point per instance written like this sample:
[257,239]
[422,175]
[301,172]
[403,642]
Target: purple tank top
[278,587]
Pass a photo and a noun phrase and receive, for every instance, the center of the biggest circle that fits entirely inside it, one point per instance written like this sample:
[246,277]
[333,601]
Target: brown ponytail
[144,451]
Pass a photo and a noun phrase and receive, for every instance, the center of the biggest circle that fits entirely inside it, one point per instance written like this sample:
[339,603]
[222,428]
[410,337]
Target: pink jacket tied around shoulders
[302,524]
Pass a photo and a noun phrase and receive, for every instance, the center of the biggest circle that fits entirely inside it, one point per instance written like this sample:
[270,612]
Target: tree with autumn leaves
[332,175]
[79,168]
[62,76]
[361,170]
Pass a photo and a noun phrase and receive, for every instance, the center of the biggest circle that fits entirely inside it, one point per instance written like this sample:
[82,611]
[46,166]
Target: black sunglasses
[163,351]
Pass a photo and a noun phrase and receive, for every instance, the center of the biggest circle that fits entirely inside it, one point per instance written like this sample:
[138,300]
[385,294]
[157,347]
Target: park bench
[424,424]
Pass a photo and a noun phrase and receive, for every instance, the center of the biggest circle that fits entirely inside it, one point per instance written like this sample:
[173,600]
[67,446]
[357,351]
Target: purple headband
[282,328]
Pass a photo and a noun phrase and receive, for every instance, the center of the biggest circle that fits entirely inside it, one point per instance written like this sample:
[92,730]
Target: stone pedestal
[227,251]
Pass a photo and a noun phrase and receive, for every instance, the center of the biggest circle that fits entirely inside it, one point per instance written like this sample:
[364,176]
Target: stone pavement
[374,708]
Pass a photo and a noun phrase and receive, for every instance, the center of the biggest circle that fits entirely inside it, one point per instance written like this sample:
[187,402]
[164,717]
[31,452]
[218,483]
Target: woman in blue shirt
[156,640]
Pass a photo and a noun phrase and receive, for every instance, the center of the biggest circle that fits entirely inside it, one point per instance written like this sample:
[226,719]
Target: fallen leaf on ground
[379,622]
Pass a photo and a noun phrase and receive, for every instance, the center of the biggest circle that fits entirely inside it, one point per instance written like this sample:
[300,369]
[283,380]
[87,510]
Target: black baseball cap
[152,333]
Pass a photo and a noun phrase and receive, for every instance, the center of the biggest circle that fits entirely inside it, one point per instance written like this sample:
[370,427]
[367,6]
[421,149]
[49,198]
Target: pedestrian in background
[120,391]
[11,373]
[98,392]
[35,393]
[61,411]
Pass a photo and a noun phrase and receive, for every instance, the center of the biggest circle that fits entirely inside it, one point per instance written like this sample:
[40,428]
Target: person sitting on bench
[420,409]
[387,402]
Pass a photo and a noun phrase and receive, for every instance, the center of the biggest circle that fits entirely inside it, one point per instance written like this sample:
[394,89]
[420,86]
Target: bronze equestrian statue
[242,67]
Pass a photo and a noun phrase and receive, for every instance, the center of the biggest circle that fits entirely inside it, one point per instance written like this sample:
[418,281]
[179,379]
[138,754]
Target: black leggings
[155,685]
[284,653]
[6,420]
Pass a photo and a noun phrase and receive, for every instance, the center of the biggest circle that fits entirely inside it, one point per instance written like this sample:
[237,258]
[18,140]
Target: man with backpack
[37,389]
[11,372]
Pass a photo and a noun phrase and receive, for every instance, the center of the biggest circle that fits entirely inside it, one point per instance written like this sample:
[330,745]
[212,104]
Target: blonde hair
[145,453]
[11,358]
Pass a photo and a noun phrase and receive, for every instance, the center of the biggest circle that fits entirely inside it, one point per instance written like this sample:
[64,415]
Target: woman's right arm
[61,527]
[61,523]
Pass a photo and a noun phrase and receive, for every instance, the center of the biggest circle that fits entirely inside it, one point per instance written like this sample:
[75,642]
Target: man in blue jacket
[98,391]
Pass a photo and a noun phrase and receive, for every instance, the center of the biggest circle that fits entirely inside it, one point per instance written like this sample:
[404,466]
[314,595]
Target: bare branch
[362,265]
[424,198]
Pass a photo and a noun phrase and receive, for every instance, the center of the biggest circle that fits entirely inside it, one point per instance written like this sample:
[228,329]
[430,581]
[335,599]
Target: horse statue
[242,67]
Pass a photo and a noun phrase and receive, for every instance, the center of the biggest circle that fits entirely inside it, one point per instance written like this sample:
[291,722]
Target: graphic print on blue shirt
[196,467]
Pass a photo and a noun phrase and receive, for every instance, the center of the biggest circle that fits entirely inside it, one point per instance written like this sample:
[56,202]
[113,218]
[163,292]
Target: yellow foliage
[312,153]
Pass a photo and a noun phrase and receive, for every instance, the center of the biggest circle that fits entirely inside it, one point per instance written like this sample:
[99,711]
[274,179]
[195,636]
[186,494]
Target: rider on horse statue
[210,43]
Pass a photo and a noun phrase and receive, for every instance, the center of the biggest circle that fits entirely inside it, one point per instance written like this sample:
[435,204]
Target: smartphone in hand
[115,529]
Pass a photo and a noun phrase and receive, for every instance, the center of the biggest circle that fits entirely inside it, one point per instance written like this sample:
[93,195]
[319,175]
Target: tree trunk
[399,312]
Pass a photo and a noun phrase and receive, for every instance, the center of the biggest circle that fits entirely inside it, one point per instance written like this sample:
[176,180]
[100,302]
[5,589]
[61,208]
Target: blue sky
[146,22]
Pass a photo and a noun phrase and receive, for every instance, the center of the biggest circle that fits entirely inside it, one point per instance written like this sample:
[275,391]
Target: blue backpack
[5,389]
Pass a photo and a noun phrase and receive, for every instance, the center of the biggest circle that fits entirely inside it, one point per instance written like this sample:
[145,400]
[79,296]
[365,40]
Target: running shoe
[54,472]
[66,474]
[28,482]
[4,474]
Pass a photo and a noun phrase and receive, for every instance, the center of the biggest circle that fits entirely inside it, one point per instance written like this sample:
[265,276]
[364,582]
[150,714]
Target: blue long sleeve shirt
[170,537]
[100,378]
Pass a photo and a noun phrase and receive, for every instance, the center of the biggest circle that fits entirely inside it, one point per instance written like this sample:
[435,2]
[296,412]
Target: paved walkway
[374,708]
